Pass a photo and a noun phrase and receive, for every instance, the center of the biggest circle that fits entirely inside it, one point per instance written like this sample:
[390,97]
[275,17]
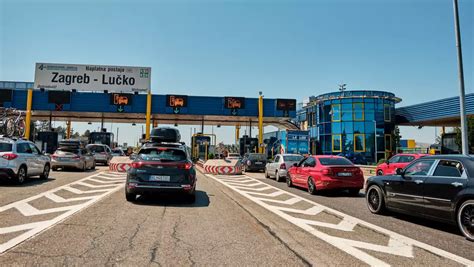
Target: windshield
[162,154]
[257,157]
[96,148]
[335,161]
[295,158]
[5,147]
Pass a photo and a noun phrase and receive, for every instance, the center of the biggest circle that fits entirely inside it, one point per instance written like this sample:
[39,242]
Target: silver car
[102,153]
[72,157]
[280,166]
[20,159]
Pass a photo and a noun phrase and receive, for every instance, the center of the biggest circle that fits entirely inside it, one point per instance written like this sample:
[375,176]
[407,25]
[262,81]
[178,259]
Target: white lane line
[34,228]
[397,245]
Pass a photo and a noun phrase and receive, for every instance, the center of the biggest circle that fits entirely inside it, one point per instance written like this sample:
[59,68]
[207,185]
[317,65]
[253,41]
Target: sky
[287,49]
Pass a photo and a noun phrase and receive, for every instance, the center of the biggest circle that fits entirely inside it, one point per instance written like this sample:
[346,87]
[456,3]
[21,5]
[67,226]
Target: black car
[254,162]
[161,168]
[437,187]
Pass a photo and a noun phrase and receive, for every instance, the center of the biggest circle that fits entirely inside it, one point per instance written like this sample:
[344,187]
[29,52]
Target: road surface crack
[179,241]
[156,244]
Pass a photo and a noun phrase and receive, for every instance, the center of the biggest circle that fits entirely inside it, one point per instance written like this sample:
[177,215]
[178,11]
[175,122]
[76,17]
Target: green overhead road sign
[120,108]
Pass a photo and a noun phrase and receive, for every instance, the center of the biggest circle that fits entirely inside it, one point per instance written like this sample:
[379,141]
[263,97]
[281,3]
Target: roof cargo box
[165,134]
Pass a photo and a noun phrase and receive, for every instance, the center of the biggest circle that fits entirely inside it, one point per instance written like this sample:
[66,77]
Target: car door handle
[418,181]
[456,184]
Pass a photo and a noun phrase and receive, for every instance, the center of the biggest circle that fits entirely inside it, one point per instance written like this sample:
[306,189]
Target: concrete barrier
[120,164]
[368,170]
[222,167]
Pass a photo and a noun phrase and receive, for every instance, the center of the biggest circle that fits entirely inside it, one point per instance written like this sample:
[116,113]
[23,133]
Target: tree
[87,133]
[397,137]
[470,135]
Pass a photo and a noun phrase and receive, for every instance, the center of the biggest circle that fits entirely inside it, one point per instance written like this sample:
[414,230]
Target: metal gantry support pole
[29,102]
[68,129]
[260,123]
[148,115]
[462,97]
[237,133]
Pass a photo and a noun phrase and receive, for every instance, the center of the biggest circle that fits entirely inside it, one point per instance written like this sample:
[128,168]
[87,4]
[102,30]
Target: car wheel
[45,174]
[465,219]
[54,169]
[21,176]
[375,200]
[84,167]
[289,183]
[354,192]
[130,197]
[107,162]
[93,166]
[266,174]
[277,176]
[311,186]
[379,173]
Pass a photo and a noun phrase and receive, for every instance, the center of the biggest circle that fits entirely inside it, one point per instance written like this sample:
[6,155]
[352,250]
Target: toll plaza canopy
[131,108]
[443,112]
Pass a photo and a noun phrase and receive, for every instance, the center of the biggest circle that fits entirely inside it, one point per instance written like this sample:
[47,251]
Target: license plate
[344,174]
[160,178]
[258,163]
[64,159]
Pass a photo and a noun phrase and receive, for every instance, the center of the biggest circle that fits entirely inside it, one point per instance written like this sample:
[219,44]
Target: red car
[326,172]
[399,161]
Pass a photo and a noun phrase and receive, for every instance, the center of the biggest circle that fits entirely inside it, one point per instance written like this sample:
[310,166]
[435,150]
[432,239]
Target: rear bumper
[282,173]
[339,184]
[255,167]
[141,188]
[59,164]
[7,174]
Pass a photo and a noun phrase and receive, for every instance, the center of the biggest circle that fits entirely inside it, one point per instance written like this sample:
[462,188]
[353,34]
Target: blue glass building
[351,121]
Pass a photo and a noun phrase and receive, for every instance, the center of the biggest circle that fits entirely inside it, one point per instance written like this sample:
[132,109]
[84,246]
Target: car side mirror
[400,172]
[295,164]
[387,162]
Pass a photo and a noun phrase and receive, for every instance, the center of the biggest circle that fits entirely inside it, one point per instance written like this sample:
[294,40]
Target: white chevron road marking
[398,245]
[28,210]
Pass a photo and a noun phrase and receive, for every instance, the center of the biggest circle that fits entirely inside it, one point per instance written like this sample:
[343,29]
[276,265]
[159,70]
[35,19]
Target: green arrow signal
[176,110]
[120,108]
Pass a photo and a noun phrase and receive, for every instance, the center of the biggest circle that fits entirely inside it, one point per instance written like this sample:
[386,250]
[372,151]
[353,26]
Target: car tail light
[283,166]
[10,156]
[162,148]
[76,157]
[54,157]
[249,162]
[327,172]
[137,165]
[188,165]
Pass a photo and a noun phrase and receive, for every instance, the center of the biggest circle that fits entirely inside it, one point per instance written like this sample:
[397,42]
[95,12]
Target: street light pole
[462,97]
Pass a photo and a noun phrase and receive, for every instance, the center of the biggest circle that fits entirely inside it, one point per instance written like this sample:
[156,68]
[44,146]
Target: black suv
[161,167]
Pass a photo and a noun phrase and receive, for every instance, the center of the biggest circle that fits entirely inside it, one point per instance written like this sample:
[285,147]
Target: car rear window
[96,148]
[5,147]
[162,154]
[335,161]
[63,151]
[293,158]
[257,157]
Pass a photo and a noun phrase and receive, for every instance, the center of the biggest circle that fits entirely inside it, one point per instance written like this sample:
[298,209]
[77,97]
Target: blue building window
[358,111]
[336,143]
[336,112]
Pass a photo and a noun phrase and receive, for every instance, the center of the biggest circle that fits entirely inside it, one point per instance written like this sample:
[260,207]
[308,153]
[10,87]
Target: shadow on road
[29,182]
[445,227]
[174,200]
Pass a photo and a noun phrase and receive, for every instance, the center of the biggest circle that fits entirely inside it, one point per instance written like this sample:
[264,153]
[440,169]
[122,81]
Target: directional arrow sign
[120,108]
[234,112]
[176,110]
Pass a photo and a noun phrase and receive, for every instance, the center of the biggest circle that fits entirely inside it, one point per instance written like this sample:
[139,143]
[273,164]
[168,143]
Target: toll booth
[248,145]
[103,138]
[200,147]
[48,141]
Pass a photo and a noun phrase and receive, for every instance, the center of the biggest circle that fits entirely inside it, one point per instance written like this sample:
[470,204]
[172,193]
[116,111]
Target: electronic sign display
[286,104]
[176,101]
[234,102]
[120,99]
[59,97]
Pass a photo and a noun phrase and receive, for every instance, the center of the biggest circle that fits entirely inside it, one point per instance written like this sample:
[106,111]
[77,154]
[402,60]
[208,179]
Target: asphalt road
[228,225]
[443,236]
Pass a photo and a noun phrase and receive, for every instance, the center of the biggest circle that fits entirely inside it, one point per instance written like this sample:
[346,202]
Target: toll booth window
[359,142]
[336,143]
[336,112]
[386,113]
[358,111]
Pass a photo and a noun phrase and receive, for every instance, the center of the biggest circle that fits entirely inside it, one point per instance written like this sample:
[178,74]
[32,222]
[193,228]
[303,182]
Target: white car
[280,166]
[20,159]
